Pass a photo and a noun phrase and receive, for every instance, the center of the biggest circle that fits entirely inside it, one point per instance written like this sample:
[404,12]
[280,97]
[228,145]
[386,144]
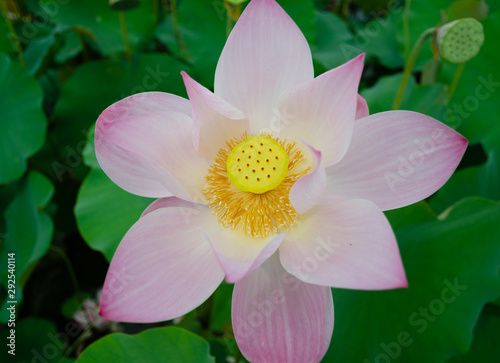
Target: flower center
[249,182]
[257,164]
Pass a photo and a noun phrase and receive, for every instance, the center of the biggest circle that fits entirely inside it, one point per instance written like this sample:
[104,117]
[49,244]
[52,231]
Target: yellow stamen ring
[256,214]
[257,164]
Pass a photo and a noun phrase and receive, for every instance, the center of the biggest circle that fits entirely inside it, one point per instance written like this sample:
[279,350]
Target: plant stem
[15,39]
[406,29]
[126,42]
[454,82]
[410,63]
[77,341]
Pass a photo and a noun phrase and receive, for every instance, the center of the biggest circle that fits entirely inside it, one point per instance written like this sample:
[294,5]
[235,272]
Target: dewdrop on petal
[460,40]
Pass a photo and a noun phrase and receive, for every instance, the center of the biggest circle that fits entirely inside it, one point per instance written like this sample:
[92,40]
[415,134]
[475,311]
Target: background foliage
[63,61]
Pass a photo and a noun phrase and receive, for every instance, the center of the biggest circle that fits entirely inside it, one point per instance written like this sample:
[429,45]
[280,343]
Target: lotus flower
[276,181]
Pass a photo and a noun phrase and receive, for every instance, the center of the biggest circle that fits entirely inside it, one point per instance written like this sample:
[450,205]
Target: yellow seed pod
[460,40]
[257,164]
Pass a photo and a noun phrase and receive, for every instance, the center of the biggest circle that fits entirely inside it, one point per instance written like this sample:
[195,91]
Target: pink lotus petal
[216,121]
[322,111]
[162,269]
[144,144]
[264,55]
[308,190]
[188,207]
[349,244]
[362,108]
[239,254]
[277,318]
[396,158]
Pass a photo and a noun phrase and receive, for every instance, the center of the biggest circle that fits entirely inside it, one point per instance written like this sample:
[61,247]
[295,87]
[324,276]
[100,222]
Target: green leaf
[497,302]
[333,37]
[485,347]
[169,345]
[6,44]
[423,99]
[203,30]
[29,229]
[493,5]
[5,314]
[37,51]
[303,14]
[37,340]
[89,157]
[103,22]
[414,215]
[70,48]
[381,38]
[482,181]
[22,121]
[73,304]
[451,273]
[104,212]
[94,87]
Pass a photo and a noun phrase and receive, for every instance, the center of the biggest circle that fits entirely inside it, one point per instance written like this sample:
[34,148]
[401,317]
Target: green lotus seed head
[460,40]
